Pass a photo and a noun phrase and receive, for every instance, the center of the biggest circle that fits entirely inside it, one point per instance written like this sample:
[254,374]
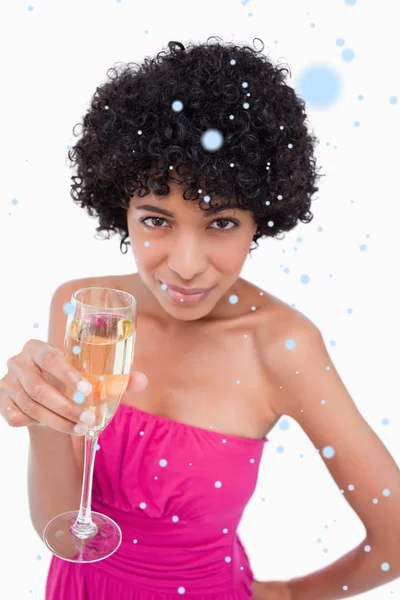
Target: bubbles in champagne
[106,344]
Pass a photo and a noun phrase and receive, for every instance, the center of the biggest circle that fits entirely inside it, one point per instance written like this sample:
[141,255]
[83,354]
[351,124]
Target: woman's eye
[152,219]
[226,221]
[216,221]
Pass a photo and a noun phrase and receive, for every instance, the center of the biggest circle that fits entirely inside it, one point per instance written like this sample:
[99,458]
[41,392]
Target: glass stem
[84,526]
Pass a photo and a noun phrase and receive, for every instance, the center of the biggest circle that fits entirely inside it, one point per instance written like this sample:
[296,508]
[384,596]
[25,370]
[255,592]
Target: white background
[52,59]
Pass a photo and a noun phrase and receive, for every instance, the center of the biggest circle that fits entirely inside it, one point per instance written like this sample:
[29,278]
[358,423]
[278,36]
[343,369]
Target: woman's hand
[270,590]
[32,391]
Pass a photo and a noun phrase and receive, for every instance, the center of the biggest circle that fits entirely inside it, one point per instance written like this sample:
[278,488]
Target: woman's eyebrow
[167,213]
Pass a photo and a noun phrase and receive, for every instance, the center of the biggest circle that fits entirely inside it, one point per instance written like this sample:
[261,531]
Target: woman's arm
[314,395]
[356,572]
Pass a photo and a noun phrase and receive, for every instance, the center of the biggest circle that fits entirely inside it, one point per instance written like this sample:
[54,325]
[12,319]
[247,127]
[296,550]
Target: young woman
[194,155]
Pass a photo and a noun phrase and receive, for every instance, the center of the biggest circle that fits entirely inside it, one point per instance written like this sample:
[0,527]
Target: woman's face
[188,248]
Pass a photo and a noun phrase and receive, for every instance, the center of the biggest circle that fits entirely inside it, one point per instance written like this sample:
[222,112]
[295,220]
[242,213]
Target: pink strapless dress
[178,493]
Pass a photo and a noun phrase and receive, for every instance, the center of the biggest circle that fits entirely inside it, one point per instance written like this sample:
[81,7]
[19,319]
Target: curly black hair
[145,119]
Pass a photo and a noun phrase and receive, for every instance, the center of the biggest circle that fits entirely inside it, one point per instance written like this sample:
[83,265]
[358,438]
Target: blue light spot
[351,487]
[356,123]
[280,449]
[284,425]
[286,270]
[101,378]
[348,55]
[290,344]
[163,462]
[177,106]
[328,451]
[79,398]
[385,566]
[76,350]
[340,42]
[146,244]
[363,247]
[36,325]
[393,100]
[304,279]
[320,86]
[385,421]
[350,2]
[218,484]
[367,548]
[386,492]
[233,299]
[212,140]
[68,308]
[97,447]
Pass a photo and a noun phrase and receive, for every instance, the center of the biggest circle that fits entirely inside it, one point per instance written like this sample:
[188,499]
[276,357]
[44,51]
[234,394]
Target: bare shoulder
[284,333]
[67,288]
[99,280]
[278,320]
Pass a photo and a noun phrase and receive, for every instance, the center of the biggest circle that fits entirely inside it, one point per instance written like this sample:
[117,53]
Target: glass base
[98,544]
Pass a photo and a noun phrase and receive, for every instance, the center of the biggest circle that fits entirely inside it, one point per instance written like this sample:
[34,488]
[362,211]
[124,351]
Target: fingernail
[144,379]
[87,417]
[80,429]
[84,386]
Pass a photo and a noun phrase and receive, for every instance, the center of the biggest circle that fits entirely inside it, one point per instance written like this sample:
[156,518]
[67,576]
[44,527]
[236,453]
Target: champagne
[101,346]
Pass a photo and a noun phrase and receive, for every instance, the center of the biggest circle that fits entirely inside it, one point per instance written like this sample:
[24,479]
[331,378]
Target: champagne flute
[99,341]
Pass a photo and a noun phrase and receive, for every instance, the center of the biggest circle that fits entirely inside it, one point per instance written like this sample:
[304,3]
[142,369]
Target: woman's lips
[187,299]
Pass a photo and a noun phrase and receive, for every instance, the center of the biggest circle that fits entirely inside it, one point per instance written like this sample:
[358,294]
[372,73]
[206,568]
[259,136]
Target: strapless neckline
[230,436]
